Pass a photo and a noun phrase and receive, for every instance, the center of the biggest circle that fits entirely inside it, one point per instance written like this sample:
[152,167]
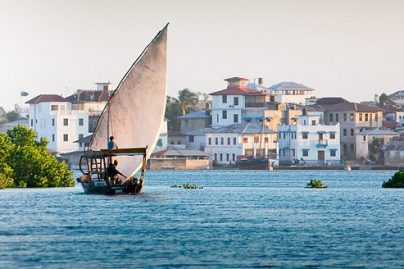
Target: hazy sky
[351,48]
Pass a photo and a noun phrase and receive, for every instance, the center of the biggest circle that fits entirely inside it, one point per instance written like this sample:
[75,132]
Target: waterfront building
[352,117]
[227,143]
[179,159]
[194,121]
[52,117]
[309,141]
[290,92]
[372,138]
[394,151]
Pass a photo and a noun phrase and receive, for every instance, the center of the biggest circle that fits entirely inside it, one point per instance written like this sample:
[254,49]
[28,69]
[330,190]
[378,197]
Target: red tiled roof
[45,98]
[238,91]
[89,96]
[331,101]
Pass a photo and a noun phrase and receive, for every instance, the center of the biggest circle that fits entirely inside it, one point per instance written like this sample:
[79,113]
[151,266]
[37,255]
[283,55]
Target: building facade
[309,142]
[226,144]
[378,137]
[290,92]
[52,117]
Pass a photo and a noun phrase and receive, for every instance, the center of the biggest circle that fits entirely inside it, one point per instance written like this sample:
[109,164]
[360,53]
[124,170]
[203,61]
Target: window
[32,123]
[235,118]
[360,116]
[344,132]
[159,142]
[305,152]
[293,152]
[376,116]
[236,101]
[332,135]
[352,147]
[81,122]
[65,122]
[65,138]
[256,139]
[305,135]
[222,141]
[234,140]
[224,114]
[266,140]
[54,107]
[210,141]
[217,117]
[351,116]
[234,157]
[224,99]
[228,141]
[216,141]
[333,152]
[364,138]
[191,138]
[227,157]
[331,117]
[284,135]
[245,140]
[53,137]
[313,122]
[352,132]
[215,156]
[345,147]
[53,122]
[336,117]
[345,117]
[366,117]
[221,157]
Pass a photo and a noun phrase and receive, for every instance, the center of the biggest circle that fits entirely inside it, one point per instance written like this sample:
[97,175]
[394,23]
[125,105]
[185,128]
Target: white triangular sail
[135,111]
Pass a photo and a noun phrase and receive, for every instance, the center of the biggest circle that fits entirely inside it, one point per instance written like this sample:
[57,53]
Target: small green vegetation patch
[187,186]
[396,181]
[316,184]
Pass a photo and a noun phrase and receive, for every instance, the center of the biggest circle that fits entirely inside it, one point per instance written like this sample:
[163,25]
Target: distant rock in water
[396,181]
[316,184]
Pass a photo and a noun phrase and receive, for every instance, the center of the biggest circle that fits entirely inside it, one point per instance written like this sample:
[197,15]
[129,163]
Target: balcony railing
[322,143]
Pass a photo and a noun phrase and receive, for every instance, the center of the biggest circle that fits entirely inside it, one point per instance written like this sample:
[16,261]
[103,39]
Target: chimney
[260,81]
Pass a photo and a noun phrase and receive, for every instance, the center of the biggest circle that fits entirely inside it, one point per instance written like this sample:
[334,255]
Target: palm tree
[188,100]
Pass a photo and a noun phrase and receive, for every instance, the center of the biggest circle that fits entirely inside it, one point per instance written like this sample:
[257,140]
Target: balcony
[322,143]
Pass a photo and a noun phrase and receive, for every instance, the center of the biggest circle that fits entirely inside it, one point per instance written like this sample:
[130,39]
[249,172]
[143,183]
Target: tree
[6,171]
[172,112]
[188,100]
[30,163]
[12,116]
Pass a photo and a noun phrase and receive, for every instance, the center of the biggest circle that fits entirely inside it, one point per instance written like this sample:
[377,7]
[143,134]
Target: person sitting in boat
[111,143]
[113,173]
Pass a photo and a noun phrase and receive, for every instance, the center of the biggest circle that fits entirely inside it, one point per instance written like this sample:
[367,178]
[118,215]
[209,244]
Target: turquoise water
[240,219]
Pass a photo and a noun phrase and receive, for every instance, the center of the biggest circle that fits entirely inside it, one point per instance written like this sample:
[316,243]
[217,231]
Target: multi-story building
[353,118]
[365,139]
[52,117]
[194,121]
[308,141]
[227,143]
[290,92]
[397,98]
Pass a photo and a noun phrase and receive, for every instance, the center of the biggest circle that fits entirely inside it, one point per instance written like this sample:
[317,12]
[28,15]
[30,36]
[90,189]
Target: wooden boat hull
[101,187]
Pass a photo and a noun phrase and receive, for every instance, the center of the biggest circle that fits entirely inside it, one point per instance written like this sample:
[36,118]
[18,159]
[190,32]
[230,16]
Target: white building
[309,142]
[233,104]
[397,97]
[225,144]
[52,117]
[291,92]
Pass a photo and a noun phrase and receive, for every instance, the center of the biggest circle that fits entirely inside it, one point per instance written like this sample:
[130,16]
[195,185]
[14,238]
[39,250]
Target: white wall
[218,107]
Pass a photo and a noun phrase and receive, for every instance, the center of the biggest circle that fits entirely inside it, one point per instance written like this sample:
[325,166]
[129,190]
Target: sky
[352,49]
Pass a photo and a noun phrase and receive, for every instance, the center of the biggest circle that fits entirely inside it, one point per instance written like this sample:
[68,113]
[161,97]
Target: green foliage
[12,116]
[172,112]
[396,181]
[187,186]
[188,100]
[316,183]
[27,163]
